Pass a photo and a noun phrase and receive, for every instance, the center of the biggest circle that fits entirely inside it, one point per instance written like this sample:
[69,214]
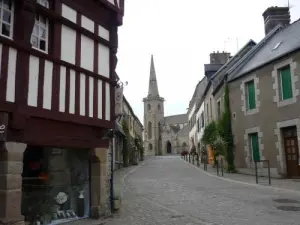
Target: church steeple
[153,89]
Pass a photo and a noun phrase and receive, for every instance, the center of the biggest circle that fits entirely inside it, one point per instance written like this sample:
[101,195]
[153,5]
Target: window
[158,107]
[6,18]
[254,146]
[210,108]
[198,125]
[219,109]
[149,107]
[44,3]
[39,37]
[150,147]
[202,120]
[285,83]
[250,88]
[207,112]
[149,130]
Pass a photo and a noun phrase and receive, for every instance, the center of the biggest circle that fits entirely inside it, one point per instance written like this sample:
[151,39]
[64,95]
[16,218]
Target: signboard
[3,126]
[119,100]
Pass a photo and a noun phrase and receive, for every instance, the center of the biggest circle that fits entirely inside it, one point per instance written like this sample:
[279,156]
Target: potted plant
[117,200]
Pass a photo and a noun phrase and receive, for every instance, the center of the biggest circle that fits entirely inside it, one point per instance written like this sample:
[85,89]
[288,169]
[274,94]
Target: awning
[119,129]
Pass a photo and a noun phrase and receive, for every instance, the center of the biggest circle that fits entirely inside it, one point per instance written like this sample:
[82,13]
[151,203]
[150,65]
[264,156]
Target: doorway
[169,147]
[290,143]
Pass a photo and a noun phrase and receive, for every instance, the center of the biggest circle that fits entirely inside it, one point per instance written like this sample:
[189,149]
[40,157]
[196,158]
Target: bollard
[193,159]
[217,164]
[198,160]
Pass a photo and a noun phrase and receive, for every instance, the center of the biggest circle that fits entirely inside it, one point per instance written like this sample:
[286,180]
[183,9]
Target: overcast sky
[181,35]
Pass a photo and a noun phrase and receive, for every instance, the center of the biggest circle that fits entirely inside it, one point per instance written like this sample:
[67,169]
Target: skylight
[277,45]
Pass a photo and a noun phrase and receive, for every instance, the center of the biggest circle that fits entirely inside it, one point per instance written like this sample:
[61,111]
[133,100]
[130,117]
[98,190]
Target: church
[163,135]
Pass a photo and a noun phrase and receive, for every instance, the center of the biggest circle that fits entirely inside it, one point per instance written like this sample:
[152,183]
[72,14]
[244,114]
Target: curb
[243,183]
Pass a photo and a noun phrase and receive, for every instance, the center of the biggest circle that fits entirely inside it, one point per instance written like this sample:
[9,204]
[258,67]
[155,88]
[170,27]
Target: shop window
[55,185]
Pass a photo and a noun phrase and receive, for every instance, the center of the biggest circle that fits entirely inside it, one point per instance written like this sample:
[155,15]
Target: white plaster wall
[11,74]
[33,81]
[47,96]
[69,13]
[192,132]
[87,53]
[100,99]
[104,33]
[87,24]
[82,95]
[198,116]
[91,96]
[72,92]
[103,60]
[107,101]
[62,89]
[68,44]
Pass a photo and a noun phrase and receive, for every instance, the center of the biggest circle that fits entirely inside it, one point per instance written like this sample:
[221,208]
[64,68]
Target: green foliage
[227,129]
[210,133]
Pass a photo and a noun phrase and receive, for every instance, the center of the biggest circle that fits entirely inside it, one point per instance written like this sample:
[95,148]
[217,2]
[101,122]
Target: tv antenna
[289,5]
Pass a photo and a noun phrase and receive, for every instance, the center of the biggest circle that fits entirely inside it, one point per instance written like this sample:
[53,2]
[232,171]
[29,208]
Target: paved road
[169,191]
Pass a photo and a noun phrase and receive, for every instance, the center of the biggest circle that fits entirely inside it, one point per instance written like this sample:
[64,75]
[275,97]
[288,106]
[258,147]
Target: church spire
[153,89]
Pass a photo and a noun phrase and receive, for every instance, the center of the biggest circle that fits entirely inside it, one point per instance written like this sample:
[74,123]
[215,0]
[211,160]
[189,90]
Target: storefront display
[55,185]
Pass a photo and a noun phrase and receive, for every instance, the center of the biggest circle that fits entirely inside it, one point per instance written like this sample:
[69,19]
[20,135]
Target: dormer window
[277,45]
[6,18]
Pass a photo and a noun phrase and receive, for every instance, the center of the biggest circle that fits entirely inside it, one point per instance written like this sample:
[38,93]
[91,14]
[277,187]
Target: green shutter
[251,95]
[255,147]
[286,83]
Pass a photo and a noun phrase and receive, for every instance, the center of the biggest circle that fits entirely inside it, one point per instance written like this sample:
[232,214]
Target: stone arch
[149,130]
[169,147]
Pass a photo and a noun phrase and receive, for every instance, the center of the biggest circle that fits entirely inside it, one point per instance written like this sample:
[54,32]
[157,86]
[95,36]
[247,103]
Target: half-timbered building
[57,84]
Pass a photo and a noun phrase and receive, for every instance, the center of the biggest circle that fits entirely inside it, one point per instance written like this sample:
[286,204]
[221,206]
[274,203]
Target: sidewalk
[287,184]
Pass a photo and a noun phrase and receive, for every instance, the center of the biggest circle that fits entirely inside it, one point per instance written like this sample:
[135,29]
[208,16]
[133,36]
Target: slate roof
[198,93]
[290,41]
[181,118]
[218,77]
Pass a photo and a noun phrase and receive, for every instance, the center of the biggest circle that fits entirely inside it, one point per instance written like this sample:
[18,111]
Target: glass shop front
[55,185]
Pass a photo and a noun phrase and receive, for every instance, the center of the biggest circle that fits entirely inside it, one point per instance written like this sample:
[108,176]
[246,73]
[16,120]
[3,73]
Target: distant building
[163,135]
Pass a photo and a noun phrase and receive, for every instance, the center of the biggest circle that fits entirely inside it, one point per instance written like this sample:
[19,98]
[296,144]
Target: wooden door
[291,152]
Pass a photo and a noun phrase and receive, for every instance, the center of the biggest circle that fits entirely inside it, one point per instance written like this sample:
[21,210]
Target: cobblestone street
[169,191]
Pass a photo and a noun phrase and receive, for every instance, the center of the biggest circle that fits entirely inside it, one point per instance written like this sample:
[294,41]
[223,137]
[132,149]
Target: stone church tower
[153,114]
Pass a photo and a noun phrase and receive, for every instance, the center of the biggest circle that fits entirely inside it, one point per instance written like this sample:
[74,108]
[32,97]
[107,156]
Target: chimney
[276,15]
[219,57]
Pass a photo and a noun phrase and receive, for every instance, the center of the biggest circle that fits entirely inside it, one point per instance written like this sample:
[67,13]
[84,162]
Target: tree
[227,132]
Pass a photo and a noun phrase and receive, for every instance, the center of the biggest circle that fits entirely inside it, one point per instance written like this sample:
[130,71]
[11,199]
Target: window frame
[12,18]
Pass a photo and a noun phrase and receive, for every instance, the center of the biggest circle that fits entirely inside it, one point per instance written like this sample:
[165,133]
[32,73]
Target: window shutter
[286,83]
[255,147]
[251,95]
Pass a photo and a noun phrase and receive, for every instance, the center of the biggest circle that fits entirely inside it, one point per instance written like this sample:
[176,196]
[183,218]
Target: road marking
[241,182]
[177,213]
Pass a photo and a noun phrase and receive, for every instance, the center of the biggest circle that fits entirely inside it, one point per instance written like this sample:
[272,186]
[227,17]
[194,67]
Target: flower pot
[117,203]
